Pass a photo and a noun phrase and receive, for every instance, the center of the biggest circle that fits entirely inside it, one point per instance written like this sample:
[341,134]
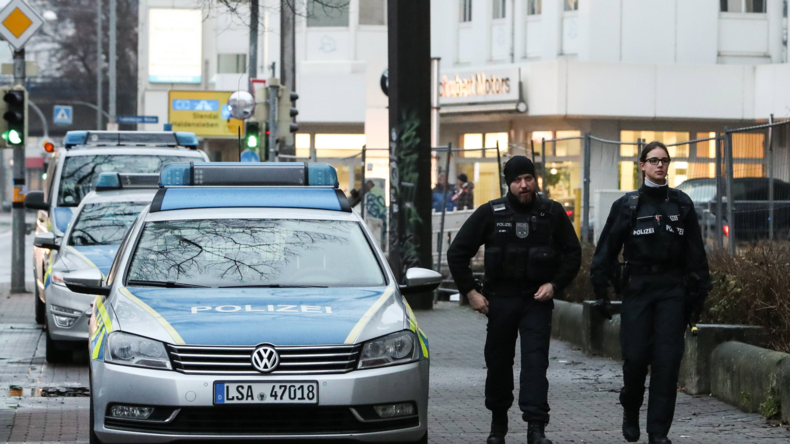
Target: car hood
[251,316]
[98,256]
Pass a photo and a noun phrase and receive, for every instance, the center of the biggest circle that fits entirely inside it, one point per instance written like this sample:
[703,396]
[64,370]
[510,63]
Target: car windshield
[699,192]
[104,223]
[255,253]
[80,172]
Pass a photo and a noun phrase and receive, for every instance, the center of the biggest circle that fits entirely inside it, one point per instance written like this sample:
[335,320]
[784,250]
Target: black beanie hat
[462,177]
[516,166]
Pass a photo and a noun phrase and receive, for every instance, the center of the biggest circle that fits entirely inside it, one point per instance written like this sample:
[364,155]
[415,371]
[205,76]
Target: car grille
[260,420]
[230,360]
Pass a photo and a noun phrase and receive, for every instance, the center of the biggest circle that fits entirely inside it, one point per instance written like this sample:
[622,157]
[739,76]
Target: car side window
[119,254]
[51,170]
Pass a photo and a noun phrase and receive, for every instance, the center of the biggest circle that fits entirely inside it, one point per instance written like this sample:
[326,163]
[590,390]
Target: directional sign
[63,115]
[138,119]
[203,113]
[18,22]
[249,156]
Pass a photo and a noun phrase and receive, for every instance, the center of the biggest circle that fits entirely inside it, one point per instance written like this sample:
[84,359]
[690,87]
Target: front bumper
[63,297]
[193,395]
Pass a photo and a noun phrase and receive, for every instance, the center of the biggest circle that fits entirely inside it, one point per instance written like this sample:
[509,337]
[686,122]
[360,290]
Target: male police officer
[531,253]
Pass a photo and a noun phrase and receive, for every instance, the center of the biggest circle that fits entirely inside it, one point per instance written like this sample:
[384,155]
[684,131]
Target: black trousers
[508,317]
[653,323]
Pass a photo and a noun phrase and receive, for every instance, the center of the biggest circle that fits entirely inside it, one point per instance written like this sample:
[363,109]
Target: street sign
[204,113]
[63,115]
[249,156]
[138,119]
[18,22]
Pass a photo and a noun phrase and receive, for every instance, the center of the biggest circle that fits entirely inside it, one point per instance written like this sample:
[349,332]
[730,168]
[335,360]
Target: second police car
[249,302]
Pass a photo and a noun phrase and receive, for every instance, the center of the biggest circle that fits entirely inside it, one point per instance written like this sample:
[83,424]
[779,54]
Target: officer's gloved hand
[698,306]
[602,304]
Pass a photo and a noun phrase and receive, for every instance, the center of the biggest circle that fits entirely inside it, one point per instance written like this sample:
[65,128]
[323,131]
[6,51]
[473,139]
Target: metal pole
[274,91]
[287,44]
[99,62]
[18,205]
[639,179]
[435,102]
[502,189]
[444,208]
[586,190]
[719,190]
[730,202]
[543,166]
[363,188]
[770,180]
[253,51]
[113,59]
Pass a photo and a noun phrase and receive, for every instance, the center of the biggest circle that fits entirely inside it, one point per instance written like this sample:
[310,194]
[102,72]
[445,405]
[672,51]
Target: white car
[249,302]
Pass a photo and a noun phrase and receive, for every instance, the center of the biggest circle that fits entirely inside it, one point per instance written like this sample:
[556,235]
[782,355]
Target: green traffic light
[252,141]
[13,137]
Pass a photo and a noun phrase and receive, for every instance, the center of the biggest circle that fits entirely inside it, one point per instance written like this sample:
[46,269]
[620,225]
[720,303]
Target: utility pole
[113,59]
[253,62]
[18,206]
[274,93]
[99,55]
[288,59]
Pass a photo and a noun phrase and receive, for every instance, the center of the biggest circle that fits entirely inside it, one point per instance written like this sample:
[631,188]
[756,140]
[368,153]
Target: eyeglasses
[663,160]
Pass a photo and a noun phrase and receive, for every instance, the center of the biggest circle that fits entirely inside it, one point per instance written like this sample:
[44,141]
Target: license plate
[266,392]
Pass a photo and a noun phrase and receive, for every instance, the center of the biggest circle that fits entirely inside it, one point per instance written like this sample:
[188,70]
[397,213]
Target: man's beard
[525,198]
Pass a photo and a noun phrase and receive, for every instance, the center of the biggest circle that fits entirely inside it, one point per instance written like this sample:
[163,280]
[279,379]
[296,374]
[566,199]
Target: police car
[75,168]
[100,222]
[249,302]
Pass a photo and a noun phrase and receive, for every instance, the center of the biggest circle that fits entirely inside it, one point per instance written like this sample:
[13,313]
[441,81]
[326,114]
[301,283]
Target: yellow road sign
[18,22]
[204,113]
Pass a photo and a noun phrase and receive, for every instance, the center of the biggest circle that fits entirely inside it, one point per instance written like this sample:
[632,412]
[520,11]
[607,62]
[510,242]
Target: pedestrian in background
[665,281]
[531,254]
[464,197]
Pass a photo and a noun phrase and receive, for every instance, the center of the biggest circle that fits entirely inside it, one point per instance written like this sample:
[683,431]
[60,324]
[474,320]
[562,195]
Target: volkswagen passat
[249,302]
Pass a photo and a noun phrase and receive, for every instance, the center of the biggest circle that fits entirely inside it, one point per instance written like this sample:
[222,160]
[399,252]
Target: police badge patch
[522,229]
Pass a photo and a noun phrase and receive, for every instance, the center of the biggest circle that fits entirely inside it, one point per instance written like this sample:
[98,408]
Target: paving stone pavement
[583,393]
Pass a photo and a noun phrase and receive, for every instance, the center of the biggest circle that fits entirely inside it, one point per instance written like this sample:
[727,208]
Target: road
[583,395]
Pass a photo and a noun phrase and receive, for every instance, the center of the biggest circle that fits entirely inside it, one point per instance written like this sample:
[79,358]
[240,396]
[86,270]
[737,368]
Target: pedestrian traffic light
[253,134]
[265,142]
[15,117]
[286,112]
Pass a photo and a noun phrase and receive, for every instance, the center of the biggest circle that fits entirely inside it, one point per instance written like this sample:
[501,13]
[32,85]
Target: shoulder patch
[499,207]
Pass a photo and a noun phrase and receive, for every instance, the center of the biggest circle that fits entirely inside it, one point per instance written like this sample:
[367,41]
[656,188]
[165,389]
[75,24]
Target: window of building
[743,6]
[571,5]
[465,10]
[499,9]
[231,63]
[373,12]
[534,7]
[327,13]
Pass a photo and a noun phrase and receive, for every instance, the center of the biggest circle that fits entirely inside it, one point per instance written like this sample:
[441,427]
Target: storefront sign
[204,113]
[479,86]
[175,45]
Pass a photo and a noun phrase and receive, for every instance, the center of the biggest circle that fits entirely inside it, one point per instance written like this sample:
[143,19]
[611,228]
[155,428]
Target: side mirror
[35,201]
[420,280]
[88,281]
[47,240]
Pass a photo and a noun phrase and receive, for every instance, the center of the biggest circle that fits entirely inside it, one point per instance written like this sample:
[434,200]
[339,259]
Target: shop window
[757,6]
[499,9]
[465,10]
[538,137]
[327,13]
[373,12]
[491,141]
[302,144]
[571,5]
[534,7]
[231,63]
[566,148]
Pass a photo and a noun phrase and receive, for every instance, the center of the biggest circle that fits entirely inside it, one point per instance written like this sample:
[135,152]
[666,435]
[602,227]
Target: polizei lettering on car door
[314,309]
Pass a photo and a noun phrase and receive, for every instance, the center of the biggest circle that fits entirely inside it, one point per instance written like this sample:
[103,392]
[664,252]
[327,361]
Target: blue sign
[63,115]
[249,156]
[138,119]
[195,105]
[226,112]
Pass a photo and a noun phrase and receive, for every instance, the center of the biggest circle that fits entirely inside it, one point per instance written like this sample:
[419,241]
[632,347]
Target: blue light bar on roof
[117,181]
[75,138]
[248,174]
[188,140]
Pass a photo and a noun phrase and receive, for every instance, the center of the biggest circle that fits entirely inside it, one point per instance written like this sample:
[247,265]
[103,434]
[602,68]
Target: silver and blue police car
[249,302]
[90,242]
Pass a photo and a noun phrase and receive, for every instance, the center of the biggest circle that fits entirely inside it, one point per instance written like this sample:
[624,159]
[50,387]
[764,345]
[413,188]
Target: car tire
[56,355]
[41,307]
[92,438]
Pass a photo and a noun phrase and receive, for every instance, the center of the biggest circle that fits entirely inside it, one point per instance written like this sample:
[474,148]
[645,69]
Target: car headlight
[57,278]
[397,348]
[126,349]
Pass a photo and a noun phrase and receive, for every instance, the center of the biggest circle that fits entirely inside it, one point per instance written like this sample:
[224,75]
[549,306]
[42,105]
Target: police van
[249,302]
[74,169]
[90,242]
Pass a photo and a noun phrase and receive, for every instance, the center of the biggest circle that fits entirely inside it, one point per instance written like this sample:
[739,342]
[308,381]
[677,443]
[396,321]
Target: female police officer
[665,264]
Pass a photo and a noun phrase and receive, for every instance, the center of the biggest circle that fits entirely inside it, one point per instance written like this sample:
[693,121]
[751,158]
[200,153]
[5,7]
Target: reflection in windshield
[81,172]
[274,252]
[104,224]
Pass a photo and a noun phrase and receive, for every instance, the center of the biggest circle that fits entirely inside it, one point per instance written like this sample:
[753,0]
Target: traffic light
[15,117]
[253,135]
[286,112]
[265,142]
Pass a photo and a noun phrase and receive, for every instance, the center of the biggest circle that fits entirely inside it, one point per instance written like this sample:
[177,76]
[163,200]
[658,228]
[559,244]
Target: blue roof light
[117,181]
[108,181]
[74,138]
[322,174]
[249,174]
[188,140]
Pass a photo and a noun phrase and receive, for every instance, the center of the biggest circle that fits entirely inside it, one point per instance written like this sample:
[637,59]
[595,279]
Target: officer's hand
[478,302]
[545,292]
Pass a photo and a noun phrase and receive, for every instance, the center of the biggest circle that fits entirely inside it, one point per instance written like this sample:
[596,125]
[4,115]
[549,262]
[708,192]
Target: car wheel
[55,354]
[41,307]
[93,439]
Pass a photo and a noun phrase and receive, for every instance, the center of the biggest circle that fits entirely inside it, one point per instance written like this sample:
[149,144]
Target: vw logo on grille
[265,359]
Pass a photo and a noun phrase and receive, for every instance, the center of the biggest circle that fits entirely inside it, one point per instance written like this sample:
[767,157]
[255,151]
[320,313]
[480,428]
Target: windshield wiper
[168,284]
[273,286]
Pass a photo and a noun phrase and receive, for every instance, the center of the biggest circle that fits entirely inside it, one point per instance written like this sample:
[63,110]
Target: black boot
[654,438]
[535,433]
[631,425]
[498,428]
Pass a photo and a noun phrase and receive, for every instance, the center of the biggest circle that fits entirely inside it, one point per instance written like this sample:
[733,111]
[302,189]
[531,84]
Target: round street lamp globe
[241,104]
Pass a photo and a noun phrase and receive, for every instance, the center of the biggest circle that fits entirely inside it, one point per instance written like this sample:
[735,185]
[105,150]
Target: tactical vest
[521,248]
[656,231]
